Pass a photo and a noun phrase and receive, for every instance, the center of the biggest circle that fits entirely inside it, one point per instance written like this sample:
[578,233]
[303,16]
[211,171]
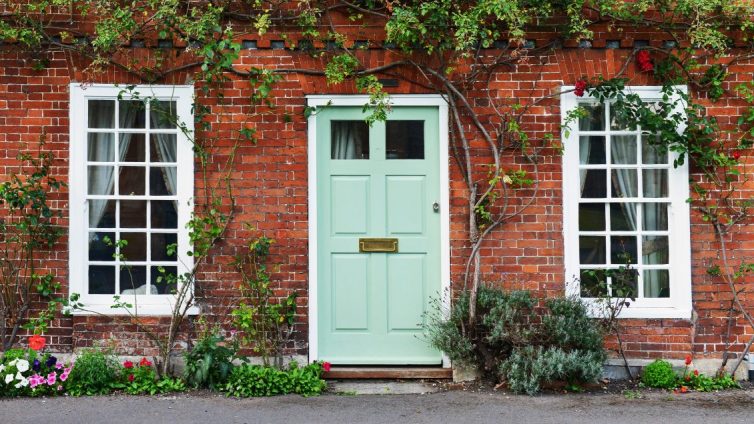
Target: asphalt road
[446,407]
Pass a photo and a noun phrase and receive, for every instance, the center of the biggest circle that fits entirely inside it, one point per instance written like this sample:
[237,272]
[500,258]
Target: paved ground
[455,407]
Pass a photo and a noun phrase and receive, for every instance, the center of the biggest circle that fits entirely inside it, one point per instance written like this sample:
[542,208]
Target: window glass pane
[623,149]
[652,154]
[164,214]
[655,217]
[350,140]
[135,248]
[162,181]
[655,182]
[100,147]
[593,283]
[623,250]
[100,180]
[594,119]
[164,279]
[623,216]
[656,283]
[654,250]
[133,213]
[132,147]
[99,248]
[162,148]
[132,114]
[591,217]
[592,149]
[624,183]
[404,140]
[592,250]
[619,120]
[101,279]
[160,243]
[131,180]
[593,183]
[102,214]
[133,280]
[163,114]
[624,283]
[101,114]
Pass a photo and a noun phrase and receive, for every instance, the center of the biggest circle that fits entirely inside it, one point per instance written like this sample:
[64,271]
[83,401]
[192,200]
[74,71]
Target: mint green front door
[377,182]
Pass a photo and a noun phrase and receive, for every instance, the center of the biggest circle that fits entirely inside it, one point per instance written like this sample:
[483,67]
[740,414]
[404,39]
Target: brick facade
[270,183]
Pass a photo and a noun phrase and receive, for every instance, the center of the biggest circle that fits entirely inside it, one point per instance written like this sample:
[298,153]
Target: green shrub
[210,362]
[255,380]
[659,374]
[518,343]
[94,373]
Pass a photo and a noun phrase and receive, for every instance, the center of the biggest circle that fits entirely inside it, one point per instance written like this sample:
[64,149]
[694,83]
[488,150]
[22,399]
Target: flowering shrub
[26,373]
[660,374]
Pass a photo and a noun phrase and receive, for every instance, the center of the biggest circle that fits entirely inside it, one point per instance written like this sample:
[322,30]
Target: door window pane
[162,148]
[592,149]
[131,180]
[651,153]
[164,214]
[623,216]
[132,147]
[133,280]
[101,246]
[100,180]
[349,140]
[655,250]
[404,140]
[623,149]
[655,183]
[593,283]
[133,213]
[134,248]
[655,217]
[163,115]
[164,279]
[162,181]
[160,244]
[102,213]
[624,183]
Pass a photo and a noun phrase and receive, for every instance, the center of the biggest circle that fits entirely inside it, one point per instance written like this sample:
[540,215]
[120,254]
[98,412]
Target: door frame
[435,100]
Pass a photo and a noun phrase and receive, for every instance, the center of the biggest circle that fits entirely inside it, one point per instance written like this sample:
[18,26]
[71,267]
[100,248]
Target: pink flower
[35,380]
[580,88]
[51,378]
[60,387]
[64,376]
[58,366]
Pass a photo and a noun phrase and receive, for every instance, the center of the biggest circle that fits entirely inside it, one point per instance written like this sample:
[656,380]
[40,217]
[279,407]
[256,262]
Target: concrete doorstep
[381,387]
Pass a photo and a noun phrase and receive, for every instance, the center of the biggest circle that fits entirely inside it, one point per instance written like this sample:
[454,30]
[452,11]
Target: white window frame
[78,219]
[678,305]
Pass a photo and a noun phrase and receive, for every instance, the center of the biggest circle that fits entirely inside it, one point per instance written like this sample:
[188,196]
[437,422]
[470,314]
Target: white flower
[2,368]
[8,378]
[23,383]
[13,362]
[22,365]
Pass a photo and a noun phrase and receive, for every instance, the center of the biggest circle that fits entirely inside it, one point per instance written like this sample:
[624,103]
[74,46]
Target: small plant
[141,379]
[94,373]
[660,375]
[255,380]
[210,362]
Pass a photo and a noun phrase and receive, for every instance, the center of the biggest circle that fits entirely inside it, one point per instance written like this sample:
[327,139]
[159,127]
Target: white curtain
[624,181]
[347,140]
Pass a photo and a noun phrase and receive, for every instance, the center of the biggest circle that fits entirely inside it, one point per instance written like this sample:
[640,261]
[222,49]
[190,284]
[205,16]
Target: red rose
[131,378]
[145,363]
[644,60]
[326,366]
[580,87]
[36,342]
[736,155]
[696,373]
[128,364]
[688,360]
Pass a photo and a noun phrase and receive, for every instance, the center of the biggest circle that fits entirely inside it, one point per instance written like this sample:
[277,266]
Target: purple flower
[36,365]
[51,361]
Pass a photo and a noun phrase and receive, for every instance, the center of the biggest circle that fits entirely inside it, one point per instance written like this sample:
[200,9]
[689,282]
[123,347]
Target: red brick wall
[270,183]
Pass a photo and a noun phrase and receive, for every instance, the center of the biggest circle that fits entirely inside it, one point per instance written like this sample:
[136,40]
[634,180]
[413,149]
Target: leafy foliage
[96,373]
[520,345]
[659,374]
[255,380]
[210,361]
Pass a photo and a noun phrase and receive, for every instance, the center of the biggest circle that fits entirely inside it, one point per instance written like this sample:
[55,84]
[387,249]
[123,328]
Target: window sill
[141,310]
[642,312]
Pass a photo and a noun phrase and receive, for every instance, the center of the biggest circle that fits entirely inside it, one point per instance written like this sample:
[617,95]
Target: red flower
[128,364]
[580,87]
[36,342]
[145,363]
[684,389]
[688,360]
[131,378]
[696,373]
[687,378]
[644,60]
[326,366]
[736,155]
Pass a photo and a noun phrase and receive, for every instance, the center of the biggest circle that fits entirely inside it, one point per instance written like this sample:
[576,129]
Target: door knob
[436,207]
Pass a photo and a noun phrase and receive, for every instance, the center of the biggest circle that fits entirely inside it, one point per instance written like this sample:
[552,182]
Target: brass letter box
[387,245]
